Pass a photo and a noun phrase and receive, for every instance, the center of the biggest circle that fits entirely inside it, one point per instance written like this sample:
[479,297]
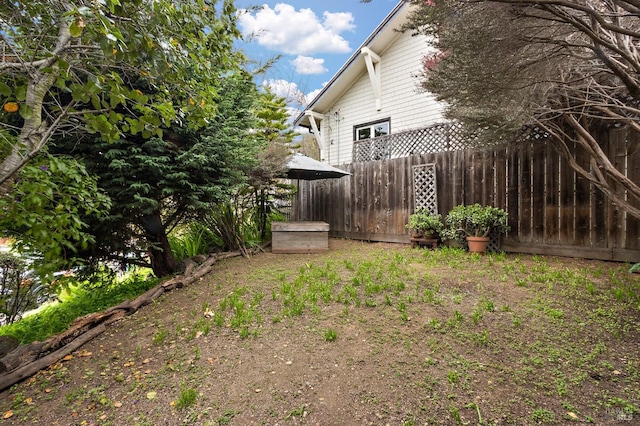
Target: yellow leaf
[28,401]
[68,357]
[574,416]
[11,107]
[117,404]
[7,414]
[84,353]
[152,395]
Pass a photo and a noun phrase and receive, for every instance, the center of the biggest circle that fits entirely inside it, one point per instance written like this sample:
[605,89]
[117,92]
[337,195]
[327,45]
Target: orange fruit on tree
[11,107]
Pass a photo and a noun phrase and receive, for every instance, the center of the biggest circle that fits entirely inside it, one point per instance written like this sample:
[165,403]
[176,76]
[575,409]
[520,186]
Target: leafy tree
[48,211]
[63,65]
[18,291]
[158,183]
[565,68]
[276,134]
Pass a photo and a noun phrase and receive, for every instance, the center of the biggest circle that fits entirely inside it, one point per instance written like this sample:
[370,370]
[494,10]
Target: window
[372,130]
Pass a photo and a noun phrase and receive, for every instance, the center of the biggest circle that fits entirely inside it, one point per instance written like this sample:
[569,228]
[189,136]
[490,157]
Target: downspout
[336,116]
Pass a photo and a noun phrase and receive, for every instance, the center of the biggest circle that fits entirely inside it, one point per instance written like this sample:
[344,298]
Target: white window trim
[371,125]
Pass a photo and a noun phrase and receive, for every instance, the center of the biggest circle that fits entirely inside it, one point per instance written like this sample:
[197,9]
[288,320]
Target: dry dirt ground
[366,334]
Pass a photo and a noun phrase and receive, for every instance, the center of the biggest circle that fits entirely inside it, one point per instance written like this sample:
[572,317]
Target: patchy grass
[364,334]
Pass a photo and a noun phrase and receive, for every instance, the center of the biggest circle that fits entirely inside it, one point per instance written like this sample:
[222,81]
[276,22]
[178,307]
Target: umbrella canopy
[306,168]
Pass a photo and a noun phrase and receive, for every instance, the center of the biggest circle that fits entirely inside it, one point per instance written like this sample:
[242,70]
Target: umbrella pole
[299,196]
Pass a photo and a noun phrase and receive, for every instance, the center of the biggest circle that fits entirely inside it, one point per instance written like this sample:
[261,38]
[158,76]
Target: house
[375,93]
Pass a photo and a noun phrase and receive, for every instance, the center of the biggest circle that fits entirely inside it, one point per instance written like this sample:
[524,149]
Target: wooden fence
[551,210]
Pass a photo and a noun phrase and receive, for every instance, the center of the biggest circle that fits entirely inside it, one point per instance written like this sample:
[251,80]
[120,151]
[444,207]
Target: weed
[159,337]
[481,339]
[477,408]
[542,415]
[330,335]
[453,377]
[476,315]
[489,306]
[456,320]
[455,414]
[297,412]
[435,324]
[402,307]
[226,417]
[187,398]
[521,282]
[561,387]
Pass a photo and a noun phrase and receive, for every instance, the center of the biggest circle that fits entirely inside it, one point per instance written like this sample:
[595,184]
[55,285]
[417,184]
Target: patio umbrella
[302,167]
[306,168]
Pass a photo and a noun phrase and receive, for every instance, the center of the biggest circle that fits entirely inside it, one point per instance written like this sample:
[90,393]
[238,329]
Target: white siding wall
[401,101]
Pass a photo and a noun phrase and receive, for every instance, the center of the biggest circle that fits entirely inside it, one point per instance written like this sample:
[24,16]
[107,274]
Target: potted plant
[426,226]
[476,222]
[453,237]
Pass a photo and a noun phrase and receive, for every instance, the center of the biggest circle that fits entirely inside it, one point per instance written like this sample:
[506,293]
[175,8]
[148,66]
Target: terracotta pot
[477,244]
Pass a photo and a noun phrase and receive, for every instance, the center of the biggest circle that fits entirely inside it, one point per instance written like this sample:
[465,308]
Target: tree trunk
[162,260]
[35,131]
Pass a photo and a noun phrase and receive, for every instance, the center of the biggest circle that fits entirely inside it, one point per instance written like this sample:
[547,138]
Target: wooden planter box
[299,237]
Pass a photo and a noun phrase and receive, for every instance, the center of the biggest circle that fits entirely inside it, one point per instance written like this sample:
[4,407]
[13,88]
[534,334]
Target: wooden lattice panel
[425,188]
[436,138]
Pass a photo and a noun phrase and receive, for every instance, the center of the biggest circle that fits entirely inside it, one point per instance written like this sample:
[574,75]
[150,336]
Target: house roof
[379,40]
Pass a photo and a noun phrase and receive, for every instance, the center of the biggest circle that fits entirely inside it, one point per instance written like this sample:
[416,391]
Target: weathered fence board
[551,209]
[633,172]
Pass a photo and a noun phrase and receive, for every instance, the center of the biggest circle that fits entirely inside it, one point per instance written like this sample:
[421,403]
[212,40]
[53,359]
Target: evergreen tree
[159,182]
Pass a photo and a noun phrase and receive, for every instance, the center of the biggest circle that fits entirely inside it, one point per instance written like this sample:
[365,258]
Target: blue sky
[315,38]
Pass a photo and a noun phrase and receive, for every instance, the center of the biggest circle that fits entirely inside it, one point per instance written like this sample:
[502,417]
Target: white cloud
[309,96]
[297,32]
[339,21]
[309,65]
[287,90]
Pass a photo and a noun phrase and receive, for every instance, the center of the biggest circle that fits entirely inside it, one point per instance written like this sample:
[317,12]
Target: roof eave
[347,74]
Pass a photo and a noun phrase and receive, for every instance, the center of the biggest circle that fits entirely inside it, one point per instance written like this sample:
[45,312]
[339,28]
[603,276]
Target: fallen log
[146,298]
[22,354]
[30,369]
[7,344]
[26,360]
[80,326]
